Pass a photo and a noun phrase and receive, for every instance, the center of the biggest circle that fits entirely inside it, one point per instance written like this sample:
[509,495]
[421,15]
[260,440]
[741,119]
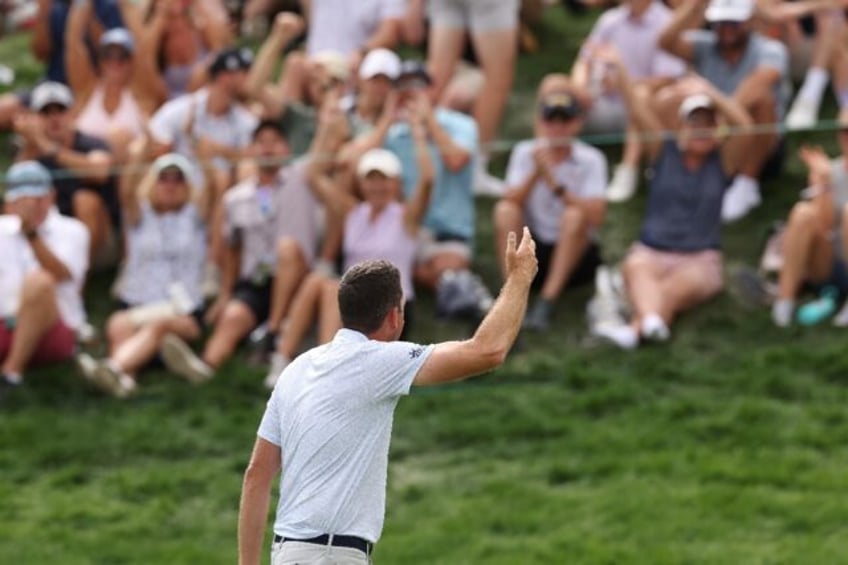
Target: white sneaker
[181,360]
[781,313]
[623,335]
[279,362]
[211,284]
[112,381]
[486,184]
[841,318]
[87,365]
[654,328]
[742,196]
[623,185]
[803,115]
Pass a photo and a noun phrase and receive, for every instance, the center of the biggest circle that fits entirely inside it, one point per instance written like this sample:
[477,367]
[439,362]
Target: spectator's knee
[86,202]
[573,220]
[506,213]
[288,251]
[804,215]
[118,326]
[39,284]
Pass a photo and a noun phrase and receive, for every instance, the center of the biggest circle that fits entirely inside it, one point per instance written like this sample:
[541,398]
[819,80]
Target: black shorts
[257,297]
[582,274]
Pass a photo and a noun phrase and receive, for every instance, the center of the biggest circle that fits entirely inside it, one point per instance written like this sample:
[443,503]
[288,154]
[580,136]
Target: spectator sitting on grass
[677,262]
[380,227]
[45,258]
[633,29]
[160,293]
[446,237]
[741,63]
[816,236]
[80,165]
[556,187]
[271,236]
[113,93]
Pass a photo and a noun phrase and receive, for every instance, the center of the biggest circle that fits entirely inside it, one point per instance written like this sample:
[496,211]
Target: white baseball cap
[380,62]
[48,93]
[27,178]
[694,102]
[381,160]
[334,62]
[729,10]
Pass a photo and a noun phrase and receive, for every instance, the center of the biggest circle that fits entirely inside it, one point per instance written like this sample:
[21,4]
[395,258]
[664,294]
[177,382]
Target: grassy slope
[727,446]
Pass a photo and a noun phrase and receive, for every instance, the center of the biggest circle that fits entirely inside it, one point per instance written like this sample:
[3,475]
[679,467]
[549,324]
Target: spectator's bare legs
[571,244]
[651,292]
[807,251]
[90,209]
[291,268]
[235,322]
[805,109]
[755,95]
[443,52]
[508,217]
[329,317]
[427,272]
[219,181]
[496,50]
[840,74]
[139,349]
[303,312]
[36,315]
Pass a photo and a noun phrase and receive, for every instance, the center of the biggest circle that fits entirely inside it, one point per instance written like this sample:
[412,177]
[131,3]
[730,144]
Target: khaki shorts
[299,553]
[706,263]
[474,15]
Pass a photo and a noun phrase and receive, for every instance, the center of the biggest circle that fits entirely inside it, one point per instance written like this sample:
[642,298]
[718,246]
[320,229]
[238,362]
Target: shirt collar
[347,335]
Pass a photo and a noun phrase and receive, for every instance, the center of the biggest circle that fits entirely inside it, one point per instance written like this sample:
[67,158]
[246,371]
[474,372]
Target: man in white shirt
[45,258]
[329,418]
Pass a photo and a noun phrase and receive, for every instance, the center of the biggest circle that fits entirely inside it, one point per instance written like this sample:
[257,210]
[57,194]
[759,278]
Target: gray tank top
[684,207]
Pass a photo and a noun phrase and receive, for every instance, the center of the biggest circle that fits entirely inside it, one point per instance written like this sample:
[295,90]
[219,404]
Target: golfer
[328,422]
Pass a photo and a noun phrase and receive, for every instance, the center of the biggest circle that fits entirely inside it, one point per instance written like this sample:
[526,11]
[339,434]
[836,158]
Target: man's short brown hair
[367,293]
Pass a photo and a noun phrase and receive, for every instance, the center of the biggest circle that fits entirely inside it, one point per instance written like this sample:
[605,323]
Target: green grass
[728,445]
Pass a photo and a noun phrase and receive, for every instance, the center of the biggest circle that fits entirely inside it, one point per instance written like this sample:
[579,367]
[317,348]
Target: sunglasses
[171,177]
[114,55]
[731,24]
[52,109]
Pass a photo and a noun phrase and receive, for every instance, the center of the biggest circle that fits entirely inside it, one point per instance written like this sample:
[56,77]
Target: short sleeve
[461,129]
[520,164]
[595,182]
[392,9]
[269,427]
[72,249]
[396,365]
[665,65]
[164,123]
[701,41]
[772,54]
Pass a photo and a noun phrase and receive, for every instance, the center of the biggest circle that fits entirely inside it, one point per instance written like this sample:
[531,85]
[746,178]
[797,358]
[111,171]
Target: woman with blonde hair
[160,291]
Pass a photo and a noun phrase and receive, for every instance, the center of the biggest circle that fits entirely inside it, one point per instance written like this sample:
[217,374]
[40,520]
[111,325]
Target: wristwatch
[558,190]
[30,234]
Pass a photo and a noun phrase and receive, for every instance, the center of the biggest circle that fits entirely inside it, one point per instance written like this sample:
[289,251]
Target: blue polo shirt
[451,211]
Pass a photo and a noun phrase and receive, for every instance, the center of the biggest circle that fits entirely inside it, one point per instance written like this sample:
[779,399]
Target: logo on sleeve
[416,352]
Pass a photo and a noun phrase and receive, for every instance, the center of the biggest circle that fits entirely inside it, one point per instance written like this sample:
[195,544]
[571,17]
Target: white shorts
[606,116]
[474,15]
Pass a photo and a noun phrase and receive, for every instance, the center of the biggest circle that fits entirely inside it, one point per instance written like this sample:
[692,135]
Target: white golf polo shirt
[331,414]
[67,238]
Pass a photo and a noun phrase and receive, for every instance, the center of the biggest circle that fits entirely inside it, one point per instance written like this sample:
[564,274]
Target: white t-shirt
[184,120]
[583,173]
[331,414]
[68,239]
[345,26]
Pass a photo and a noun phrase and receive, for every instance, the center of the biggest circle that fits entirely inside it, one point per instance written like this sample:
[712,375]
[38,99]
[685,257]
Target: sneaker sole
[177,358]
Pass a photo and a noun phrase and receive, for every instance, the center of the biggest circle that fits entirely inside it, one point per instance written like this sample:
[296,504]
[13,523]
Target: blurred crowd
[229,187]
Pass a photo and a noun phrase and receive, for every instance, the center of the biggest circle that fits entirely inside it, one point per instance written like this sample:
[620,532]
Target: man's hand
[544,161]
[28,127]
[521,262]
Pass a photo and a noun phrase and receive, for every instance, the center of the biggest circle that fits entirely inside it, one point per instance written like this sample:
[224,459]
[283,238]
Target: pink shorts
[56,345]
[706,264]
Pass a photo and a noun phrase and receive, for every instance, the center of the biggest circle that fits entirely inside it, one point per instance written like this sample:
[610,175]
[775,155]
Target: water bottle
[818,310]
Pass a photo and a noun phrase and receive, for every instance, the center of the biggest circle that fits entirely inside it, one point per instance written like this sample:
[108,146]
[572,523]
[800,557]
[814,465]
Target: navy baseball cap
[231,60]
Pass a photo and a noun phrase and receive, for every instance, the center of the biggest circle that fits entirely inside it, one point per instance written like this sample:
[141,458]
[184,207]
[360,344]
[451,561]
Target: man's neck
[219,101]
[639,7]
[268,177]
